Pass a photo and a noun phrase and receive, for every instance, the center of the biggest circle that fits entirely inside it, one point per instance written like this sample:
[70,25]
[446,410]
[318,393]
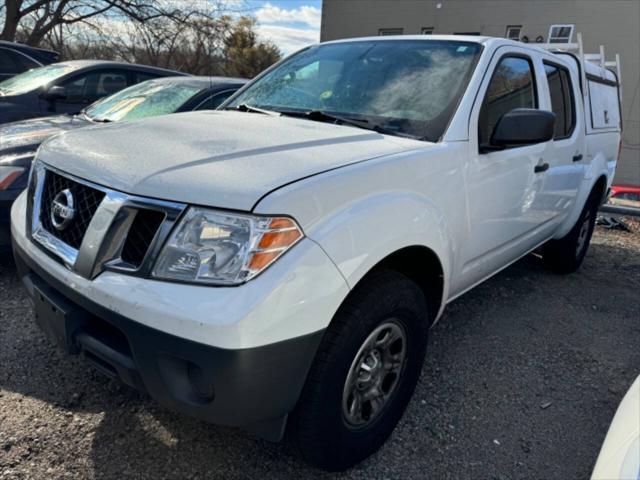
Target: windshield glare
[35,78]
[408,86]
[143,100]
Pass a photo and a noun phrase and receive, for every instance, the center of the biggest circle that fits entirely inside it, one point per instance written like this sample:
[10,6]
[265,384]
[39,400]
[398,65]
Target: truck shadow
[522,377]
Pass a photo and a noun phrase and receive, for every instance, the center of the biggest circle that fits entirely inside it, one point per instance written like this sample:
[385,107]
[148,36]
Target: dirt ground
[522,379]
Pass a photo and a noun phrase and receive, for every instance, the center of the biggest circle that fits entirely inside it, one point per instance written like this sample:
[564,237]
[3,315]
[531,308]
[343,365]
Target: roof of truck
[591,68]
[385,38]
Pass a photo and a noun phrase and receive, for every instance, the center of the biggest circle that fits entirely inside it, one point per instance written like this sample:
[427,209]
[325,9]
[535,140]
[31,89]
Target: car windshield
[407,87]
[35,78]
[143,100]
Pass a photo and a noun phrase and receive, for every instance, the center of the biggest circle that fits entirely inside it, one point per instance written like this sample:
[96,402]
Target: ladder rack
[597,58]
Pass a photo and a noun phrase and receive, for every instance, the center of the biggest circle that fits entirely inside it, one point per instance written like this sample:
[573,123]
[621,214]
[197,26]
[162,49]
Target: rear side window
[512,86]
[214,101]
[562,101]
[89,87]
[144,76]
[14,62]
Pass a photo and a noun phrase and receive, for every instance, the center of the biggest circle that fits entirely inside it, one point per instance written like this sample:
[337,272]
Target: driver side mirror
[523,126]
[55,93]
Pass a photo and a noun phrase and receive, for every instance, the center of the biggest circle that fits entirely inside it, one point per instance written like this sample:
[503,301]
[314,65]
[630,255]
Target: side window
[511,86]
[214,101]
[89,87]
[14,62]
[142,77]
[562,101]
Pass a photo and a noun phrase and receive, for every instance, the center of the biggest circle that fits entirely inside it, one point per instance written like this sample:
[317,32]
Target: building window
[513,32]
[426,31]
[390,31]
[560,33]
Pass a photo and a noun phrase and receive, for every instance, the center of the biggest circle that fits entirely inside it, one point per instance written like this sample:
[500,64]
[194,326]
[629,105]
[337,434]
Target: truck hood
[221,159]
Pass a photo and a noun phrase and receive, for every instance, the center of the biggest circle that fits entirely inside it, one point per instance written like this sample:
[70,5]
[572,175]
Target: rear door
[566,154]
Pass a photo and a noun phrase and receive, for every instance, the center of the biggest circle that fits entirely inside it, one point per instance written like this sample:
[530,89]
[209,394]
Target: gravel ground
[522,379]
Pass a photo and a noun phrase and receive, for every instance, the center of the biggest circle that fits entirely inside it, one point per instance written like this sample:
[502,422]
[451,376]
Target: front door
[506,216]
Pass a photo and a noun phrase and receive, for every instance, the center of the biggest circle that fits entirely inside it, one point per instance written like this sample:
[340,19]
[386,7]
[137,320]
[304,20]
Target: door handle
[541,167]
[577,158]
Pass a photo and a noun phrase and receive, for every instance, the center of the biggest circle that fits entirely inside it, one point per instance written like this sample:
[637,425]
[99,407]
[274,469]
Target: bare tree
[33,20]
[196,36]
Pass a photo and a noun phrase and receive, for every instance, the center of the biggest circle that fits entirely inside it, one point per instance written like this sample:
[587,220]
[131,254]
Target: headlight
[222,248]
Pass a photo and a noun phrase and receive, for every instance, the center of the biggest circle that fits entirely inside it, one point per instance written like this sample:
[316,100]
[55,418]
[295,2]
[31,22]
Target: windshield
[35,78]
[411,87]
[143,100]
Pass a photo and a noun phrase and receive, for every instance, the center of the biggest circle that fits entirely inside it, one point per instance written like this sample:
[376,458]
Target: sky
[290,24]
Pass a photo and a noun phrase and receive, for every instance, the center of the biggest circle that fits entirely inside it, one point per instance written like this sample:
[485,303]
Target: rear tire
[566,254]
[364,373]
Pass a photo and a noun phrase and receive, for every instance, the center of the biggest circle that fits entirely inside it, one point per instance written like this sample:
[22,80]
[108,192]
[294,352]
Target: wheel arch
[420,264]
[597,183]
[600,189]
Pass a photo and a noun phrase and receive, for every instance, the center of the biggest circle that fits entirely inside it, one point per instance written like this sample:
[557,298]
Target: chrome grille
[141,233]
[108,229]
[87,200]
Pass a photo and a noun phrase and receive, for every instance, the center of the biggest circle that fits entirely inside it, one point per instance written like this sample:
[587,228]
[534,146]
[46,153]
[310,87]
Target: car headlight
[223,248]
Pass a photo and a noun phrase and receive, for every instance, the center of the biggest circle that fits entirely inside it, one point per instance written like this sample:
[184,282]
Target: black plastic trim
[252,388]
[604,81]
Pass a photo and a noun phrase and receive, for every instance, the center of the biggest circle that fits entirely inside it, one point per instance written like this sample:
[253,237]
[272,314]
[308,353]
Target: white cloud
[289,29]
[306,14]
[288,39]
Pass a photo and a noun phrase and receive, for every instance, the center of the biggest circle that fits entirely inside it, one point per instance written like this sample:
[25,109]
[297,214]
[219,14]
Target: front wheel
[364,373]
[565,255]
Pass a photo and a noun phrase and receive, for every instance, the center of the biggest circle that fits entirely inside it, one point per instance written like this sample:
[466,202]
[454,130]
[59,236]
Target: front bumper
[234,356]
[253,388]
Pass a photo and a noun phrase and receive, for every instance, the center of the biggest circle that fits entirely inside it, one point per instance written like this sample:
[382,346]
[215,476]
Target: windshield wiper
[83,114]
[322,116]
[98,120]
[243,107]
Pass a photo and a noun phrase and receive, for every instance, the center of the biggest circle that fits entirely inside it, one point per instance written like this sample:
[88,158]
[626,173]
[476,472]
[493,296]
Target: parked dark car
[20,140]
[16,58]
[68,87]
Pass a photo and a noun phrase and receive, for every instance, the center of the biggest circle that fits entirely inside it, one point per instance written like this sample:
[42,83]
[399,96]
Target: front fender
[360,214]
[366,231]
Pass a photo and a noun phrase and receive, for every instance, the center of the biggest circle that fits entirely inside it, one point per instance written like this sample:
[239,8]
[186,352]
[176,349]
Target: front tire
[566,254]
[364,373]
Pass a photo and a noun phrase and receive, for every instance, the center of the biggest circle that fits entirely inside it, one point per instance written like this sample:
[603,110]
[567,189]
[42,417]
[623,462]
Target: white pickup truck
[277,264]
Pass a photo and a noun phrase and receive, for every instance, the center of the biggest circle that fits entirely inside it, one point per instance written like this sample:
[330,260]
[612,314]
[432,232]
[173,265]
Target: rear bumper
[253,388]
